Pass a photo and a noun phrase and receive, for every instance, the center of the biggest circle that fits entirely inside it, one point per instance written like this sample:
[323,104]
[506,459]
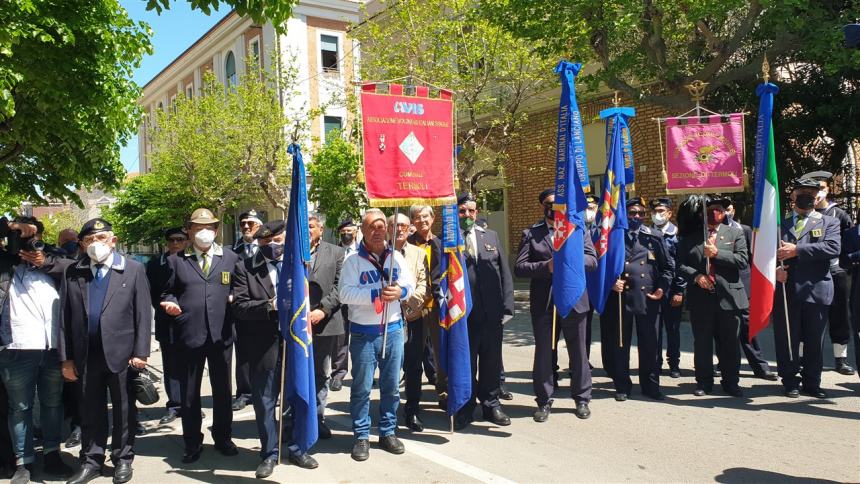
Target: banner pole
[281,408]
[785,308]
[554,338]
[620,322]
[705,234]
[390,277]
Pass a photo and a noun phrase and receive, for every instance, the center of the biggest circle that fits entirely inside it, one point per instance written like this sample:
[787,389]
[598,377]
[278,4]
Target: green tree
[276,11]
[335,187]
[450,43]
[67,101]
[144,207]
[56,222]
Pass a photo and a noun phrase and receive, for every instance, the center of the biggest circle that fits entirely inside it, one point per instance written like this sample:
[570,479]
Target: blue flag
[293,309]
[621,116]
[455,304]
[611,218]
[571,184]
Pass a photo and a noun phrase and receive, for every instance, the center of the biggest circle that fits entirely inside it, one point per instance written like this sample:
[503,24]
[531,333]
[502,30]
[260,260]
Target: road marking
[436,457]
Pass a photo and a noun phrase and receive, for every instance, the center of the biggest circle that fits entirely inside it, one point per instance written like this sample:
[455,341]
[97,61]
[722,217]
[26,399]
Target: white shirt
[199,254]
[34,310]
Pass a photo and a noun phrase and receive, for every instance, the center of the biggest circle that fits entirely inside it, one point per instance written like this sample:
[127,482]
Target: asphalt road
[763,437]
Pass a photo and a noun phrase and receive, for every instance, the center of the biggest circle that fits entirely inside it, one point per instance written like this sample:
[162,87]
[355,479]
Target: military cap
[345,223]
[250,215]
[270,229]
[819,175]
[174,231]
[719,200]
[636,201]
[592,199]
[466,197]
[94,226]
[806,182]
[664,201]
[203,216]
[542,196]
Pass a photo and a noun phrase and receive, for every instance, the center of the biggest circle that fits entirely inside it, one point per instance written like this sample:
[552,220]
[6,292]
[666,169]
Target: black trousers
[573,329]
[855,322]
[7,453]
[170,354]
[588,317]
[670,323]
[711,324]
[485,352]
[608,338]
[323,349]
[840,321]
[751,349]
[72,402]
[340,356]
[808,322]
[218,356]
[96,381]
[243,368]
[647,327]
[413,358]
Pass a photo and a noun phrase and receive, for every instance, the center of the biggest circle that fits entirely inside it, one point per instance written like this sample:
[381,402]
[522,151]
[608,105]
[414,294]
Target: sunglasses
[176,239]
[634,213]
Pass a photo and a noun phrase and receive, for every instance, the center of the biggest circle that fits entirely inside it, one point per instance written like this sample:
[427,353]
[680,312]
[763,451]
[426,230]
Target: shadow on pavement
[743,474]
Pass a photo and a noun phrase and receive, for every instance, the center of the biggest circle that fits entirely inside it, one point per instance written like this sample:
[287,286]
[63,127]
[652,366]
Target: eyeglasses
[100,237]
[247,223]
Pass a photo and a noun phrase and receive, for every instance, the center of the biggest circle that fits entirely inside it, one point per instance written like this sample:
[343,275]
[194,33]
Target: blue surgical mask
[272,250]
[634,223]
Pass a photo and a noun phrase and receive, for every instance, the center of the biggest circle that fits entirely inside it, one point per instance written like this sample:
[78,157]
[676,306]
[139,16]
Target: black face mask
[71,247]
[346,239]
[272,251]
[804,201]
[549,213]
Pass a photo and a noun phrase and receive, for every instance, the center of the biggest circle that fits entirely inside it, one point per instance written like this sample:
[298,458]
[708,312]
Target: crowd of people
[76,322]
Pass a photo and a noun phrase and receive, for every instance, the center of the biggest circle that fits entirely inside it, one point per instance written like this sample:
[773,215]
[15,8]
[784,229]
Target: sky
[172,32]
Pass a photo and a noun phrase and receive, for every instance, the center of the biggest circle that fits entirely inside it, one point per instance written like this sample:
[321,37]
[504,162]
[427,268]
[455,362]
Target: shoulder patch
[815,214]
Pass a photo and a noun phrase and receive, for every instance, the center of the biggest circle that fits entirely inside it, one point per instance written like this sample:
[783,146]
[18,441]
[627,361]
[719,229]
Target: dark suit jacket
[809,277]
[490,280]
[646,269]
[126,318]
[204,300]
[257,321]
[533,262]
[732,258]
[157,272]
[851,254]
[323,276]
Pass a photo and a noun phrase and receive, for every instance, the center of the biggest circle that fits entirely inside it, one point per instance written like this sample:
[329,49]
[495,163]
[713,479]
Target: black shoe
[461,421]
[122,473]
[139,430]
[414,423]
[21,476]
[793,393]
[620,397]
[843,367]
[191,456]
[361,450]
[674,372]
[74,439]
[391,443]
[303,460]
[814,392]
[266,468]
[504,394]
[497,416]
[227,448]
[84,474]
[239,403]
[169,417]
[701,391]
[543,411]
[54,465]
[335,385]
[734,391]
[767,375]
[323,431]
[718,373]
[582,411]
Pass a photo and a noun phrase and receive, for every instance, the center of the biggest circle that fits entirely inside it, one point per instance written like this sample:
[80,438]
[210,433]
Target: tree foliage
[56,222]
[276,11]
[451,44]
[67,101]
[335,188]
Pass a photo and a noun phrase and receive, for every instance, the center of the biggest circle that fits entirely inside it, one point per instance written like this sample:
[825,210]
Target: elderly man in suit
[196,295]
[246,248]
[157,273]
[809,242]
[107,316]
[716,297]
[492,305]
[535,262]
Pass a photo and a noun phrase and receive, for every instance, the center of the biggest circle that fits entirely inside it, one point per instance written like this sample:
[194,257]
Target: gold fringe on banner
[404,202]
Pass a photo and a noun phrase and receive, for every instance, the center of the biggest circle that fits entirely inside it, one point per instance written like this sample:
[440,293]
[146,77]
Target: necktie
[798,226]
[712,240]
[470,244]
[205,264]
[99,273]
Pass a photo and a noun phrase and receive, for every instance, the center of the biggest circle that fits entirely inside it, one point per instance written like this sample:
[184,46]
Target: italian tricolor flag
[766,221]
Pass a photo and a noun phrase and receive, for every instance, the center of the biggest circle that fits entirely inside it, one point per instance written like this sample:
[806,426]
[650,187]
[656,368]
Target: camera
[15,243]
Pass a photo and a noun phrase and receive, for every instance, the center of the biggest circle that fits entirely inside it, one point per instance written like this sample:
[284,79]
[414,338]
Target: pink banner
[705,154]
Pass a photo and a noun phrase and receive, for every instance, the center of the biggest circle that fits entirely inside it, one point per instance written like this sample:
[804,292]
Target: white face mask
[659,219]
[590,216]
[821,197]
[205,237]
[99,252]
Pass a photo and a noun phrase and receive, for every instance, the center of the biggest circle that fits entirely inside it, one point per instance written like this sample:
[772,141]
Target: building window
[255,49]
[230,70]
[331,123]
[189,91]
[329,53]
[172,103]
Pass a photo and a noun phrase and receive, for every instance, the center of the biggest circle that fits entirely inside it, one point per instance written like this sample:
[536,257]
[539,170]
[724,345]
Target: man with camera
[29,334]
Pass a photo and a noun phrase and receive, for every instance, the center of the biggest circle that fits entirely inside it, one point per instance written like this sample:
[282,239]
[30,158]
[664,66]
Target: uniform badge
[489,248]
[817,232]
[225,278]
[651,255]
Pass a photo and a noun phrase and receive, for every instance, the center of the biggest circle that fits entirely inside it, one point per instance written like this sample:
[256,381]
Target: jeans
[23,371]
[366,353]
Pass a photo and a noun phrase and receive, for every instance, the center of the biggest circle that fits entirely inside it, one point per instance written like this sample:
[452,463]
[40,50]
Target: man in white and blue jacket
[365,288]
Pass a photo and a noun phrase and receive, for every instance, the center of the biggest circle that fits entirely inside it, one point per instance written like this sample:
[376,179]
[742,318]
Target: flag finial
[697,90]
[765,69]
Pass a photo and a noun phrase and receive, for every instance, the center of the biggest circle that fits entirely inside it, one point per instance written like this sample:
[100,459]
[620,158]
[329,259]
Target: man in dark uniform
[672,305]
[851,257]
[196,295]
[347,240]
[715,295]
[839,319]
[492,305]
[810,241]
[643,285]
[245,248]
[750,348]
[107,317]
[157,274]
[535,261]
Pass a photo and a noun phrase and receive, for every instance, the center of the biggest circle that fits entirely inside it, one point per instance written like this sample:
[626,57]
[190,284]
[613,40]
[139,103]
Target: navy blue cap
[721,200]
[348,222]
[636,201]
[806,182]
[592,199]
[270,229]
[174,231]
[545,193]
[94,226]
[466,197]
[251,215]
[664,201]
